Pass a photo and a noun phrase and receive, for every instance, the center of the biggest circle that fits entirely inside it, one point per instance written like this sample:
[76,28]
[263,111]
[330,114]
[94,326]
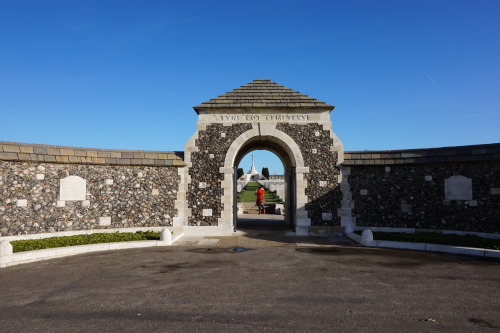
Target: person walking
[259,202]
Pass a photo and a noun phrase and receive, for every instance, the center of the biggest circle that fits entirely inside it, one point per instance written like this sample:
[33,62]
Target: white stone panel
[104,221]
[207,212]
[109,181]
[428,178]
[363,192]
[405,208]
[72,188]
[202,185]
[155,192]
[458,188]
[61,203]
[326,216]
[22,203]
[40,176]
[86,203]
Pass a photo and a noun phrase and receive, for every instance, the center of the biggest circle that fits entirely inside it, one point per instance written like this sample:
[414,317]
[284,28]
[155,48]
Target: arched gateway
[260,115]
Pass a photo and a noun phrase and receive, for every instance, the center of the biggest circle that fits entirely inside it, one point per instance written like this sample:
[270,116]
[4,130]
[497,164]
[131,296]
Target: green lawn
[62,241]
[248,194]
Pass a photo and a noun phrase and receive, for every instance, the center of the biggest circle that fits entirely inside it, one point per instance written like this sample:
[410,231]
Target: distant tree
[240,172]
[265,172]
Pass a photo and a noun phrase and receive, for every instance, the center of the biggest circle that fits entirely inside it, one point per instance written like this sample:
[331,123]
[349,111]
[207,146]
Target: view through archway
[261,168]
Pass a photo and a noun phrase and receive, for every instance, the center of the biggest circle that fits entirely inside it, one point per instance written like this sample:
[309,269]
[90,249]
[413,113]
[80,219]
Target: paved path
[262,231]
[280,284]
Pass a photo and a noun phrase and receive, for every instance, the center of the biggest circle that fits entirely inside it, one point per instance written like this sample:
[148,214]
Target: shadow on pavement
[270,223]
[274,228]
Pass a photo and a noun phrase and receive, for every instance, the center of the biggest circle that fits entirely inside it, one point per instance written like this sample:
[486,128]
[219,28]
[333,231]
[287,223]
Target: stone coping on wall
[473,153]
[23,152]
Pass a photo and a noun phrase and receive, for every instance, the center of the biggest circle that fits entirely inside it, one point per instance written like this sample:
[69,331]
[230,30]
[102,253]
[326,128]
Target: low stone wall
[452,188]
[121,189]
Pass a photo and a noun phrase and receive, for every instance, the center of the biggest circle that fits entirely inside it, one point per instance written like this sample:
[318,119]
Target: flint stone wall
[406,188]
[323,190]
[212,145]
[117,196]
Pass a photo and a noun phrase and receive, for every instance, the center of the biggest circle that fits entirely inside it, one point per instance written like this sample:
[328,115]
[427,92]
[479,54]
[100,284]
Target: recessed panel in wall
[458,188]
[72,188]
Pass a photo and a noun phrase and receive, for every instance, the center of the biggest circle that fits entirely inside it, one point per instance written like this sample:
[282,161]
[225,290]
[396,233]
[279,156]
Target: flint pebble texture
[206,170]
[406,197]
[128,200]
[323,197]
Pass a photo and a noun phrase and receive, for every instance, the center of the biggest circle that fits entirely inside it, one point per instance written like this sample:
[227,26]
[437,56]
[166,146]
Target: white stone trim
[181,205]
[347,220]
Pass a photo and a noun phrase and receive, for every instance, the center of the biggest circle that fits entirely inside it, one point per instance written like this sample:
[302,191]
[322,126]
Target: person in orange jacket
[259,202]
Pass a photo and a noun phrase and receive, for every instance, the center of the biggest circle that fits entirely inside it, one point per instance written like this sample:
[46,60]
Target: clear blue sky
[125,74]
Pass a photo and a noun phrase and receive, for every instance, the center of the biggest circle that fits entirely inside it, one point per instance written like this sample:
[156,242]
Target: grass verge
[437,238]
[97,238]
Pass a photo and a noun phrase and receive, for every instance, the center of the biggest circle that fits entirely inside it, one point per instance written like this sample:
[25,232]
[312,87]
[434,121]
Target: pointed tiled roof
[263,93]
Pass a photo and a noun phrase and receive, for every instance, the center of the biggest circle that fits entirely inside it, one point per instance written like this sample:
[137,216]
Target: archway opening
[279,186]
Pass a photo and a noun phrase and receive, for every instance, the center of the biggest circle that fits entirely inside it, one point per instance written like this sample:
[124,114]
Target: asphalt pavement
[258,280]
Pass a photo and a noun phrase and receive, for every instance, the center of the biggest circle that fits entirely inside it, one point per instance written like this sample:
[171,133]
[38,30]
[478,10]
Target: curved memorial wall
[53,188]
[451,188]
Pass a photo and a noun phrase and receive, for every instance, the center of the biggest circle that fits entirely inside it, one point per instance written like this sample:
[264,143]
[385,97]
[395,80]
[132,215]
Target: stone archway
[266,136]
[267,115]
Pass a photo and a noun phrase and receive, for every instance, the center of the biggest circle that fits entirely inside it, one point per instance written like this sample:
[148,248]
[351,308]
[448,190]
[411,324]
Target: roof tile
[263,93]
